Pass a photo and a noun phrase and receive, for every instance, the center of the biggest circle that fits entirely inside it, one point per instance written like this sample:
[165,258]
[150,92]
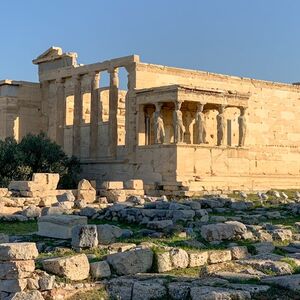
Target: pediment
[49,54]
[52,51]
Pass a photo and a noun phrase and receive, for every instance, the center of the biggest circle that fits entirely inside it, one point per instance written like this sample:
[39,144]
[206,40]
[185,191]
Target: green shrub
[36,154]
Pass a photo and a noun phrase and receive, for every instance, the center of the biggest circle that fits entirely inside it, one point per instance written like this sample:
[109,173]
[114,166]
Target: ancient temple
[181,131]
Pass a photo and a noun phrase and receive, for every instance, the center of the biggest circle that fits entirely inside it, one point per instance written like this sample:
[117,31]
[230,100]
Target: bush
[36,154]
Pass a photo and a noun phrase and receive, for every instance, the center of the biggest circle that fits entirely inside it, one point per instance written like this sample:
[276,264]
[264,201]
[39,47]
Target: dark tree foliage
[36,154]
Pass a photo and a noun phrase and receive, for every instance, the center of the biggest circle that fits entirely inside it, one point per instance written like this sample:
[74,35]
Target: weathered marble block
[18,251]
[59,226]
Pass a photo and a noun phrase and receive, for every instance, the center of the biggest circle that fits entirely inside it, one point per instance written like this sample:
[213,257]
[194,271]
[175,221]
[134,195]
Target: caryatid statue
[200,125]
[242,126]
[221,126]
[179,129]
[159,128]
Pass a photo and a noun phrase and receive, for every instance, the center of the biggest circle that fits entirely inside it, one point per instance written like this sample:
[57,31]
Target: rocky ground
[217,247]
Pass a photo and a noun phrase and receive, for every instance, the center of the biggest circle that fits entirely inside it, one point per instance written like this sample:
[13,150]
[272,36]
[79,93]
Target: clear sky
[250,38]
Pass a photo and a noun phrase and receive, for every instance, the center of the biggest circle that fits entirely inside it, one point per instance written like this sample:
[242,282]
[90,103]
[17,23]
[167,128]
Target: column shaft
[60,111]
[77,116]
[94,115]
[113,110]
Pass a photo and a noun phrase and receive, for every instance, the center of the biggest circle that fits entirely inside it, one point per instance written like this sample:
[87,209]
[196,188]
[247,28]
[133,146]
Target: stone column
[242,127]
[113,110]
[200,125]
[94,115]
[77,115]
[179,128]
[159,128]
[130,111]
[60,111]
[221,126]
[11,117]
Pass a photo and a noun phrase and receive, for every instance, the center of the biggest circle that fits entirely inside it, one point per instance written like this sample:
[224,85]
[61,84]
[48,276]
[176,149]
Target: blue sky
[250,38]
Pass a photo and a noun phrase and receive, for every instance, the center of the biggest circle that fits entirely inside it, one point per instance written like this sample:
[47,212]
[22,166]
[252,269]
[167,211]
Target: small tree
[34,154]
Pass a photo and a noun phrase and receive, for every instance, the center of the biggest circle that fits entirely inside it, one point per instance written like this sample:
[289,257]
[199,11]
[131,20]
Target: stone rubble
[128,246]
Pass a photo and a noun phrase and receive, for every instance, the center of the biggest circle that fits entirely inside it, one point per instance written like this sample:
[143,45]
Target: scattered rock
[18,251]
[74,267]
[84,236]
[108,234]
[100,269]
[217,256]
[131,262]
[223,231]
[148,290]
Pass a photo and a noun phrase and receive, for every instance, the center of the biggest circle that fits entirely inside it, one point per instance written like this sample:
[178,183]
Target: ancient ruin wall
[272,148]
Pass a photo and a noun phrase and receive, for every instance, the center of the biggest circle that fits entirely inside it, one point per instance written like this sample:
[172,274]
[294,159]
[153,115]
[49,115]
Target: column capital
[243,110]
[221,108]
[113,70]
[94,77]
[158,106]
[114,78]
[178,104]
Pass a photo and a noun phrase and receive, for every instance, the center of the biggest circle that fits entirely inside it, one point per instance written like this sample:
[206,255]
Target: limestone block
[18,251]
[116,196]
[210,292]
[291,282]
[120,247]
[23,186]
[74,267]
[48,201]
[13,285]
[52,210]
[29,295]
[216,256]
[33,282]
[179,258]
[223,231]
[183,215]
[3,192]
[179,290]
[89,196]
[159,224]
[282,234]
[84,236]
[107,234]
[239,252]
[80,204]
[32,211]
[100,269]
[120,288]
[66,205]
[147,290]
[48,179]
[264,247]
[134,184]
[131,262]
[41,182]
[197,259]
[163,261]
[66,196]
[113,185]
[84,185]
[45,281]
[16,269]
[59,226]
[130,193]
